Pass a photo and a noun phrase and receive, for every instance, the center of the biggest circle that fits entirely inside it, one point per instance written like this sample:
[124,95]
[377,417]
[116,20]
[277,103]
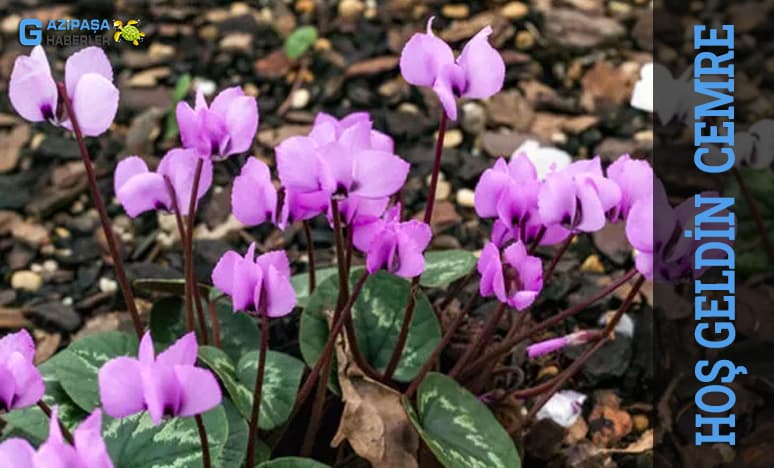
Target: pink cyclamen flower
[635,180]
[227,126]
[140,190]
[88,81]
[340,160]
[255,199]
[517,281]
[555,344]
[166,385]
[89,449]
[256,283]
[393,245]
[509,192]
[578,197]
[20,381]
[477,73]
[639,232]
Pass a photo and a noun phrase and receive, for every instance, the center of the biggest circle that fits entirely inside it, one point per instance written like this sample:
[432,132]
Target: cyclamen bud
[555,344]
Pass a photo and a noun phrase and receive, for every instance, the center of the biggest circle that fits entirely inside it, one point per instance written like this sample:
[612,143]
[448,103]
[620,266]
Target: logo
[129,32]
[30,32]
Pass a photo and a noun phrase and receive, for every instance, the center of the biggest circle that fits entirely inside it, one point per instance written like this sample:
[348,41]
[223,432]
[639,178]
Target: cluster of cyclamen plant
[348,172]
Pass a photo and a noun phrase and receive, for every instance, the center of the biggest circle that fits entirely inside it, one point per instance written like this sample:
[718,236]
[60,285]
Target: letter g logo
[30,32]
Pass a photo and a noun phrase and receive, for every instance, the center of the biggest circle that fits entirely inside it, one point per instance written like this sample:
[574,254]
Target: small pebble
[640,422]
[452,138]
[36,268]
[524,40]
[50,266]
[473,119]
[300,98]
[465,198]
[26,280]
[350,9]
[68,301]
[514,10]
[592,264]
[107,285]
[456,11]
[442,190]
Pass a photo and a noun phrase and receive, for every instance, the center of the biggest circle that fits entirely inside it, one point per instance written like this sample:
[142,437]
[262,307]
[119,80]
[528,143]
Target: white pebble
[466,198]
[26,280]
[107,285]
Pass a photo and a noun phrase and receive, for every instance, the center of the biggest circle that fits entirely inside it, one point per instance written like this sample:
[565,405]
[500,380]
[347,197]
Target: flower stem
[756,214]
[558,255]
[340,258]
[214,323]
[47,411]
[194,288]
[189,314]
[507,344]
[255,413]
[321,368]
[310,254]
[206,463]
[104,219]
[579,363]
[441,345]
[489,328]
[436,168]
[404,329]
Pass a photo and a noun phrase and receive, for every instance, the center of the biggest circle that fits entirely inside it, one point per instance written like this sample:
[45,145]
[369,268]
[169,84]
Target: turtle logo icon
[128,32]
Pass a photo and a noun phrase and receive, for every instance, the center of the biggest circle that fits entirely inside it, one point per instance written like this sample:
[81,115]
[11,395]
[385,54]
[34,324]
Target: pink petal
[143,192]
[246,275]
[95,103]
[29,384]
[280,296]
[120,387]
[382,251]
[298,164]
[162,391]
[181,352]
[191,133]
[253,196]
[379,174]
[179,165]
[89,444]
[556,200]
[126,169]
[146,353]
[278,259]
[199,390]
[19,342]
[444,89]
[17,453]
[83,62]
[223,273]
[241,123]
[224,100]
[489,188]
[7,388]
[522,299]
[32,89]
[590,206]
[423,56]
[484,67]
[382,142]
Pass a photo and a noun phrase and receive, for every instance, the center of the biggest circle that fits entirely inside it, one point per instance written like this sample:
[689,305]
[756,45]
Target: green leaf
[377,317]
[77,366]
[300,283]
[458,428]
[281,378]
[239,332]
[300,41]
[750,256]
[446,266]
[134,442]
[181,89]
[292,462]
[30,423]
[233,453]
[223,366]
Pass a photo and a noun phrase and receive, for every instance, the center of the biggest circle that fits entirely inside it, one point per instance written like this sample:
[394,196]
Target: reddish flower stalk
[47,411]
[411,301]
[440,347]
[189,314]
[189,260]
[583,359]
[214,323]
[104,219]
[206,463]
[255,413]
[506,345]
[558,256]
[486,333]
[756,214]
[321,368]
[310,255]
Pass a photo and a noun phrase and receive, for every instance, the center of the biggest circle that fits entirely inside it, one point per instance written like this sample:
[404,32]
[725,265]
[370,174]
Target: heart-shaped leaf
[377,317]
[134,442]
[239,332]
[77,366]
[300,283]
[292,462]
[443,267]
[222,365]
[281,378]
[458,428]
